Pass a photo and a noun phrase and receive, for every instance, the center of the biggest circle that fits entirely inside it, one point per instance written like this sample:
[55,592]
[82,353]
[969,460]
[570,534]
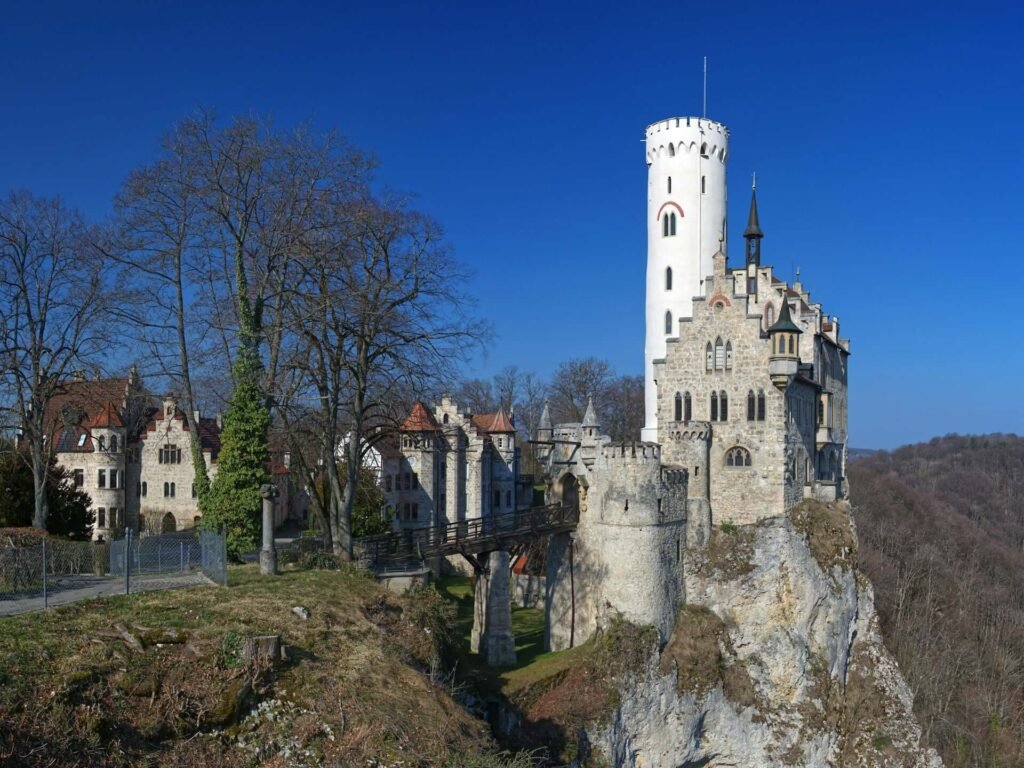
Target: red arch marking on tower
[666,205]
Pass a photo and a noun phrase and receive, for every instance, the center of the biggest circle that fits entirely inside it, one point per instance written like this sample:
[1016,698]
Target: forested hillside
[941,528]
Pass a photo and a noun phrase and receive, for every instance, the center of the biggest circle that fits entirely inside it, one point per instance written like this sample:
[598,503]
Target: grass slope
[157,679]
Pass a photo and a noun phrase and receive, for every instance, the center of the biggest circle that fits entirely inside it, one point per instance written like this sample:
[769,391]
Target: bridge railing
[409,547]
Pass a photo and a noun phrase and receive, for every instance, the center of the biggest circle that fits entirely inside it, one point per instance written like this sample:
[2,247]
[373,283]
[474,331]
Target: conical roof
[501,423]
[785,321]
[545,418]
[419,419]
[590,417]
[753,226]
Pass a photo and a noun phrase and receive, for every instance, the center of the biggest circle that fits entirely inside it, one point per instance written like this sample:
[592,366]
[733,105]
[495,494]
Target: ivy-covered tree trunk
[234,497]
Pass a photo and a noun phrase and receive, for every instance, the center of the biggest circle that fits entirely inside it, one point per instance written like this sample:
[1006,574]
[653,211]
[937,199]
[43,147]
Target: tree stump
[262,650]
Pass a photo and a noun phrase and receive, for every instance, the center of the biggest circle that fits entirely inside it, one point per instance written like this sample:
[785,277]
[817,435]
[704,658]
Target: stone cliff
[775,660]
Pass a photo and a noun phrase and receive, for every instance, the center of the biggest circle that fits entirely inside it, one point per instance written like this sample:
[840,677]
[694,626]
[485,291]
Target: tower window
[668,323]
[145,487]
[704,150]
[719,354]
[670,185]
[751,406]
[687,407]
[769,316]
[671,150]
[728,355]
[664,226]
[100,443]
[671,225]
[703,185]
[668,278]
[679,407]
[79,478]
[760,405]
[709,354]
[714,406]
[113,443]
[737,457]
[723,406]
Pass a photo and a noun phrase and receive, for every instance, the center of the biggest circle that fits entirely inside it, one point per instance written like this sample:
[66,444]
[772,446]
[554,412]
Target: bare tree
[622,411]
[573,382]
[52,317]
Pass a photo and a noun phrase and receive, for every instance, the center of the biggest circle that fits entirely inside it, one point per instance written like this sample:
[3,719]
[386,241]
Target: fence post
[46,603]
[224,552]
[182,545]
[127,560]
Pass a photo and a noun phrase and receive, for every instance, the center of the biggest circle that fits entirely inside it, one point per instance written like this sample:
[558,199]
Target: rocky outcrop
[776,660]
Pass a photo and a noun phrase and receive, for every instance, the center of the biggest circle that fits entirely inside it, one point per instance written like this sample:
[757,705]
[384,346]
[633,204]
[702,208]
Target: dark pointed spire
[785,321]
[753,233]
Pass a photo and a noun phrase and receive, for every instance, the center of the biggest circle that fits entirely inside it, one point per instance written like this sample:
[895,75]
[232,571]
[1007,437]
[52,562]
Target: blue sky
[885,137]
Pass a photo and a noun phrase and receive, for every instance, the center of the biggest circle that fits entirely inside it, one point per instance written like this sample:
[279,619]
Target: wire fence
[39,572]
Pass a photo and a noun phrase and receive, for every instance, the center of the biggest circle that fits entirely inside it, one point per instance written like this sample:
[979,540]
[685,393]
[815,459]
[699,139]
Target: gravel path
[70,589]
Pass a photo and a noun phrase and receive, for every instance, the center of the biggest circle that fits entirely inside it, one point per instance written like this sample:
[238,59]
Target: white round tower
[686,210]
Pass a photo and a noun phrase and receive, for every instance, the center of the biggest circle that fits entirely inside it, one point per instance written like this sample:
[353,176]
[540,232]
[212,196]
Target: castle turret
[785,340]
[686,212]
[590,429]
[753,234]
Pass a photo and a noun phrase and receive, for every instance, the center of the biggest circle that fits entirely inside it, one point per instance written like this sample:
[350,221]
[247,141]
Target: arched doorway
[570,491]
[167,525]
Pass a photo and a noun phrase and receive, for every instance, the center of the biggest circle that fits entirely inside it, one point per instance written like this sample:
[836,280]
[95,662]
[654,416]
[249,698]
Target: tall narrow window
[79,478]
[664,226]
[719,354]
[497,499]
[668,278]
[167,490]
[687,407]
[703,185]
[679,407]
[703,150]
[145,487]
[102,515]
[100,443]
[101,478]
[672,225]
[769,317]
[709,354]
[760,405]
[670,185]
[668,323]
[714,406]
[751,407]
[723,406]
[113,443]
[728,355]
[172,489]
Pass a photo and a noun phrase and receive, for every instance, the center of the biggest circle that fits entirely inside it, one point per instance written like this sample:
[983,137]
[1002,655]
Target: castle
[745,414]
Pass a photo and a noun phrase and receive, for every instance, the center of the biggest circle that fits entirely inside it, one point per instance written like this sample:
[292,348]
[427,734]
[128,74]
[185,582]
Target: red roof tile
[106,417]
[419,420]
[84,395]
[492,422]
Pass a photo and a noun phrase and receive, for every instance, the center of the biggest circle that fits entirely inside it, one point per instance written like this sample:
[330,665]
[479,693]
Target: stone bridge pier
[492,610]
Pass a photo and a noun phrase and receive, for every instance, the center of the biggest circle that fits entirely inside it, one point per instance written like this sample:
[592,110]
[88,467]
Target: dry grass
[729,554]
[702,657]
[828,531]
[356,683]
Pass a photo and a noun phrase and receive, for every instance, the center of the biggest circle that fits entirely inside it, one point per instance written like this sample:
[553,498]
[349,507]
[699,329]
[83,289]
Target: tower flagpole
[705,105]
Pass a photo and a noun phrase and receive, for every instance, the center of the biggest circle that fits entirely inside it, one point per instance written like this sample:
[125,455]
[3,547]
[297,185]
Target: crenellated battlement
[682,136]
[639,451]
[675,476]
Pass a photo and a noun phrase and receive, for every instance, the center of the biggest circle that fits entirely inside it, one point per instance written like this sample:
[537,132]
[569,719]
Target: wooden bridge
[470,538]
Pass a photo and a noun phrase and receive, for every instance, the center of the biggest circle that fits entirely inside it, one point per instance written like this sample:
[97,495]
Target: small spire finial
[798,274]
[753,181]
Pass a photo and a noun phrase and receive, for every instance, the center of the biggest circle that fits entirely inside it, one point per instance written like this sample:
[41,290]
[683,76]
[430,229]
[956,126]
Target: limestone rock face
[776,660]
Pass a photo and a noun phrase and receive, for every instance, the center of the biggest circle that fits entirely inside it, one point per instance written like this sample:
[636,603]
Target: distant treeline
[941,528]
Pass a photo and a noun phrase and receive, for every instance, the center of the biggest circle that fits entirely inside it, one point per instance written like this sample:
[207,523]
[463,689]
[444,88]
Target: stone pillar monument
[268,554]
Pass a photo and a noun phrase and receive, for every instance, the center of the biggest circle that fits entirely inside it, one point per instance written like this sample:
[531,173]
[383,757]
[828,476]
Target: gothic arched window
[714,406]
[687,407]
[737,457]
[679,407]
[668,278]
[671,150]
[719,354]
[751,406]
[760,405]
[113,443]
[668,323]
[769,317]
[664,226]
[723,406]
[728,355]
[671,225]
[710,355]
